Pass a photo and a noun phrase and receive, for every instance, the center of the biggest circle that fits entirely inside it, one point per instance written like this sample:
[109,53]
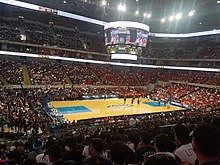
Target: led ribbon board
[52,11]
[186,35]
[107,63]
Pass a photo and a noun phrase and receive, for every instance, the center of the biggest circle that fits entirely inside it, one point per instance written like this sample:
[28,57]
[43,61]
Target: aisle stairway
[137,79]
[3,80]
[121,77]
[26,76]
[191,92]
[97,77]
[68,80]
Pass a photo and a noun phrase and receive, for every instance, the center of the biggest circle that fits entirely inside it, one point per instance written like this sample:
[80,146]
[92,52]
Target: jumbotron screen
[133,37]
[125,40]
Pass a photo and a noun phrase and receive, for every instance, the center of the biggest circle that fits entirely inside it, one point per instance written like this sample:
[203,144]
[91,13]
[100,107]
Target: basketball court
[86,109]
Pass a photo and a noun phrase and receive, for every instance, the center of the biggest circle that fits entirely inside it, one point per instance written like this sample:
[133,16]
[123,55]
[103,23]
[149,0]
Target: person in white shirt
[85,153]
[185,150]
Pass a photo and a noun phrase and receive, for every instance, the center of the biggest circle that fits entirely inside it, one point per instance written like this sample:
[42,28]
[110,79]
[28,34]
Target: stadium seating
[46,73]
[23,108]
[11,71]
[46,35]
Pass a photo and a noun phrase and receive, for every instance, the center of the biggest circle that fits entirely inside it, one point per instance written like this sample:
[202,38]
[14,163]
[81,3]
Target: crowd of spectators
[51,35]
[22,111]
[16,112]
[146,77]
[23,108]
[56,73]
[206,52]
[120,92]
[214,81]
[9,30]
[145,139]
[81,74]
[176,90]
[16,103]
[186,76]
[129,75]
[142,139]
[43,73]
[11,71]
[109,75]
[197,97]
[125,140]
[207,98]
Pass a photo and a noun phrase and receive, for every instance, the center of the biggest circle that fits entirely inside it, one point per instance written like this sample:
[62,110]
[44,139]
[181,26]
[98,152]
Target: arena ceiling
[206,16]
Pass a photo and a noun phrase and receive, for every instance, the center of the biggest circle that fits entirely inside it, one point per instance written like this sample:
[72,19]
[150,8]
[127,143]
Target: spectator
[206,144]
[122,135]
[184,151]
[96,148]
[43,158]
[120,153]
[30,161]
[73,153]
[18,154]
[54,153]
[163,144]
[37,146]
[144,148]
[161,159]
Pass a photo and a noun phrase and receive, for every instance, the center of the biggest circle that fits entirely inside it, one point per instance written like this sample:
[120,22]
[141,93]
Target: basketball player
[138,101]
[132,100]
[159,102]
[125,100]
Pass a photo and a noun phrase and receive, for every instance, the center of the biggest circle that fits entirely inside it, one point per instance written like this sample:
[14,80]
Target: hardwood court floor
[99,108]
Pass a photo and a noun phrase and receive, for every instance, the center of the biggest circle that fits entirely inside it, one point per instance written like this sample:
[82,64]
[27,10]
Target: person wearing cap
[206,144]
[43,158]
[37,146]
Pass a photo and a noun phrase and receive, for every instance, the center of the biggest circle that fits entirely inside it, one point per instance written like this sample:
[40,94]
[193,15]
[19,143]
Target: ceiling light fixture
[178,16]
[163,20]
[103,3]
[191,13]
[148,15]
[121,7]
[171,18]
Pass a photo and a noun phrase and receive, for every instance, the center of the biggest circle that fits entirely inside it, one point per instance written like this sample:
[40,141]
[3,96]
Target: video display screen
[136,37]
[132,37]
[125,42]
[111,37]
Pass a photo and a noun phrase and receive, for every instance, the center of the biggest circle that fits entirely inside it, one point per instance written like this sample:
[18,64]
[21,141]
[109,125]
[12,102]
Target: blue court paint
[154,104]
[73,109]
